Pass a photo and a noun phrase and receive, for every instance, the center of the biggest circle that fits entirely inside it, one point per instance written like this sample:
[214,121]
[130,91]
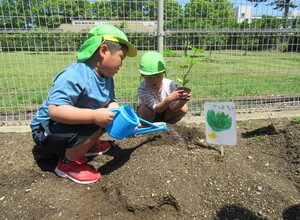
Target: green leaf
[169,52]
[185,82]
[196,61]
[196,49]
[187,57]
[187,67]
[180,80]
[184,66]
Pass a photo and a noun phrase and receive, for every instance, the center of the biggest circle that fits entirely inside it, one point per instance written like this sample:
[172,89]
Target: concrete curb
[249,116]
[189,119]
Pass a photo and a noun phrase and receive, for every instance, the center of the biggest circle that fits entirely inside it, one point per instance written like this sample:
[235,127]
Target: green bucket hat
[152,63]
[97,35]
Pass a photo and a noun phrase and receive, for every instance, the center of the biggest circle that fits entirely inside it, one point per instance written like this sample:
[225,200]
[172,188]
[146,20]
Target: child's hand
[179,95]
[103,117]
[186,94]
[176,95]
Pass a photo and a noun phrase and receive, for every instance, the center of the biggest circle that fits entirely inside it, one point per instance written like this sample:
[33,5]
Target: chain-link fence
[241,51]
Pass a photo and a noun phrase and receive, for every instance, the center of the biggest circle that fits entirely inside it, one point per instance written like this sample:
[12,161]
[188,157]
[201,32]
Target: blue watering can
[125,123]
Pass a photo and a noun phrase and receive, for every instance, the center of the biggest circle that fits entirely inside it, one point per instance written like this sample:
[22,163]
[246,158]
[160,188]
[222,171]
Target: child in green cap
[71,120]
[160,99]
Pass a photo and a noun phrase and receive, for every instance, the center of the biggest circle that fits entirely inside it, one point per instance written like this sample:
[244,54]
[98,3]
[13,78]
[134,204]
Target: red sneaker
[77,171]
[98,148]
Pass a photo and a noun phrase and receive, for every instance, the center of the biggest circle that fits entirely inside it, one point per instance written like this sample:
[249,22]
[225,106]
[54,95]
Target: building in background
[244,13]
[128,26]
[294,14]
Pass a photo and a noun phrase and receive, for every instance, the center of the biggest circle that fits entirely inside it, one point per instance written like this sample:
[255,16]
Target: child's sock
[65,160]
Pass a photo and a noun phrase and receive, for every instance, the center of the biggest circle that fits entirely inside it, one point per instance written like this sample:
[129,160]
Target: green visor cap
[97,35]
[152,63]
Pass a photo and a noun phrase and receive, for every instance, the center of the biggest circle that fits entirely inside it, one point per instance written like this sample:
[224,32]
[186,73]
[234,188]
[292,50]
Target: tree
[267,22]
[172,9]
[280,5]
[208,13]
[46,13]
[126,10]
[13,14]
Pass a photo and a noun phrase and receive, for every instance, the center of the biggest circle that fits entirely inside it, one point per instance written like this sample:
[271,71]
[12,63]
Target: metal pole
[160,26]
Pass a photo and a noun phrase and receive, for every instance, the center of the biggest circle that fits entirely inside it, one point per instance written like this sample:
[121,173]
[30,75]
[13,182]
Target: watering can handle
[117,110]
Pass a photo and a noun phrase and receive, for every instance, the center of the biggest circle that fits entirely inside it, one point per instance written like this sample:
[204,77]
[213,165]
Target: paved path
[189,119]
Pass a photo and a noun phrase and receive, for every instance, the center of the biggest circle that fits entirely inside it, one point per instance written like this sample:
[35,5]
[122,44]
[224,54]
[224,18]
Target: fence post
[160,26]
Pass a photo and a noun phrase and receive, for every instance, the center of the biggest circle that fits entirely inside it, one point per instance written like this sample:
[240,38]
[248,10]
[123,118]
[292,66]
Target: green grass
[259,138]
[226,75]
[296,118]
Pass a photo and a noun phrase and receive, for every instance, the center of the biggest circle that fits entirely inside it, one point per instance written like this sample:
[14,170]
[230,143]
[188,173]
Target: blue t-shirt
[77,85]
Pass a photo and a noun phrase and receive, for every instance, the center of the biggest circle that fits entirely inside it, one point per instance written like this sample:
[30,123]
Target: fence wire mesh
[250,50]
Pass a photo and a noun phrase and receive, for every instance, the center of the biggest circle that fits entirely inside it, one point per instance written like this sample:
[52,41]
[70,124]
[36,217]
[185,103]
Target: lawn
[222,76]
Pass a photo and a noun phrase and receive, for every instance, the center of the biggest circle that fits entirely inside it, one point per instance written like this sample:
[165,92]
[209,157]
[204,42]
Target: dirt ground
[155,176]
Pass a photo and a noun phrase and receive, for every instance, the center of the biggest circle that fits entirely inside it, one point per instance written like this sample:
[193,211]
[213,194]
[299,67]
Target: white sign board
[220,123]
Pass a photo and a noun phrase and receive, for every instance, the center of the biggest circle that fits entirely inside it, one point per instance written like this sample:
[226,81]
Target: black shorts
[159,117]
[53,137]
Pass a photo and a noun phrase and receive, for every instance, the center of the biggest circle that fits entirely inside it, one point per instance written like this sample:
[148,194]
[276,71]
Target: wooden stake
[222,150]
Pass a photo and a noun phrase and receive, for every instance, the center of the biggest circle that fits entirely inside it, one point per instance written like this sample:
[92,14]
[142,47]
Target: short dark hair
[114,46]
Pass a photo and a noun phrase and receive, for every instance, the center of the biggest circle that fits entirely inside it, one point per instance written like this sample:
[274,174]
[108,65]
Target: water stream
[176,135]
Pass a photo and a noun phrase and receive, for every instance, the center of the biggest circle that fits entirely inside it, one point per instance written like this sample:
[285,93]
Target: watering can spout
[125,123]
[154,127]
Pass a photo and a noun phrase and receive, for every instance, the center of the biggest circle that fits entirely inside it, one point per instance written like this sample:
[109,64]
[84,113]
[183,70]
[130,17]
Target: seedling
[273,125]
[183,79]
